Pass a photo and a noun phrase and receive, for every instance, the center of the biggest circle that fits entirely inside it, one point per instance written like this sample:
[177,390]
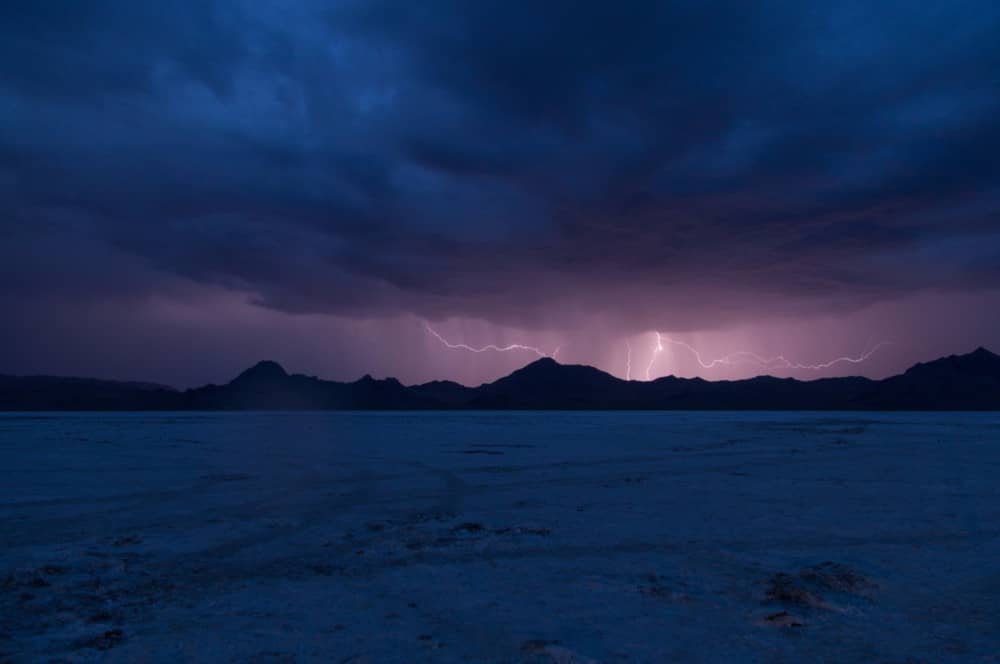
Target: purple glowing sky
[188,188]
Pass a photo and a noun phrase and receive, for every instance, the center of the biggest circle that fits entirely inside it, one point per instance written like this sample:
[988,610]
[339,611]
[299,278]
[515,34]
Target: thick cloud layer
[684,166]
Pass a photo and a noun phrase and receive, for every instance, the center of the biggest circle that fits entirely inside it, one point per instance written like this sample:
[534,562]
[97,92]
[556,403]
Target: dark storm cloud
[701,162]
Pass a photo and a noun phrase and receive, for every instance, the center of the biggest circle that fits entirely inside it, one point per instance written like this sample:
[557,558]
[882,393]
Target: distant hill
[58,393]
[266,386]
[957,382]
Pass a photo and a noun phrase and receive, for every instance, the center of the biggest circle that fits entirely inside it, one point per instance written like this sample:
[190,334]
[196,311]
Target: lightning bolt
[490,347]
[732,359]
[657,349]
[748,357]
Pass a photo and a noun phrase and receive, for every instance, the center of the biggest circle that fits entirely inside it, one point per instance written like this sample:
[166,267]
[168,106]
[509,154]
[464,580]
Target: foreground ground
[500,537]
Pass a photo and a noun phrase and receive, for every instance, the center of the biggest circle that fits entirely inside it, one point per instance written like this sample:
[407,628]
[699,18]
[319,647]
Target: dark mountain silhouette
[957,382]
[266,386]
[444,392]
[58,393]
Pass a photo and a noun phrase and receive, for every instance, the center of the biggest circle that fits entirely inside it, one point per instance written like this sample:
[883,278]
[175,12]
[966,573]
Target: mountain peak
[540,368]
[267,370]
[541,363]
[979,362]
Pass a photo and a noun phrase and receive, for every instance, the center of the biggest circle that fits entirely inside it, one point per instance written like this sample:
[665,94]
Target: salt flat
[500,537]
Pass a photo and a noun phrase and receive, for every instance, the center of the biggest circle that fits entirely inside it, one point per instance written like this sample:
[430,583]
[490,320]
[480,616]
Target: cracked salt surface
[593,537]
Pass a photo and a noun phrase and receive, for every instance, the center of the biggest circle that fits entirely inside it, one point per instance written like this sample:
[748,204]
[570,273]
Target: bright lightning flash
[747,357]
[656,351]
[490,347]
[732,359]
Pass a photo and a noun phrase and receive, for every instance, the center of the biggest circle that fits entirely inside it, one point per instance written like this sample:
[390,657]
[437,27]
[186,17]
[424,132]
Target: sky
[189,187]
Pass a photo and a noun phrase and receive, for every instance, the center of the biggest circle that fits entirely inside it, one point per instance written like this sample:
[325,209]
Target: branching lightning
[730,360]
[748,357]
[490,347]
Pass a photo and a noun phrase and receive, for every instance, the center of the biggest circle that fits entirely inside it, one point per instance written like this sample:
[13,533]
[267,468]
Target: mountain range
[956,382]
